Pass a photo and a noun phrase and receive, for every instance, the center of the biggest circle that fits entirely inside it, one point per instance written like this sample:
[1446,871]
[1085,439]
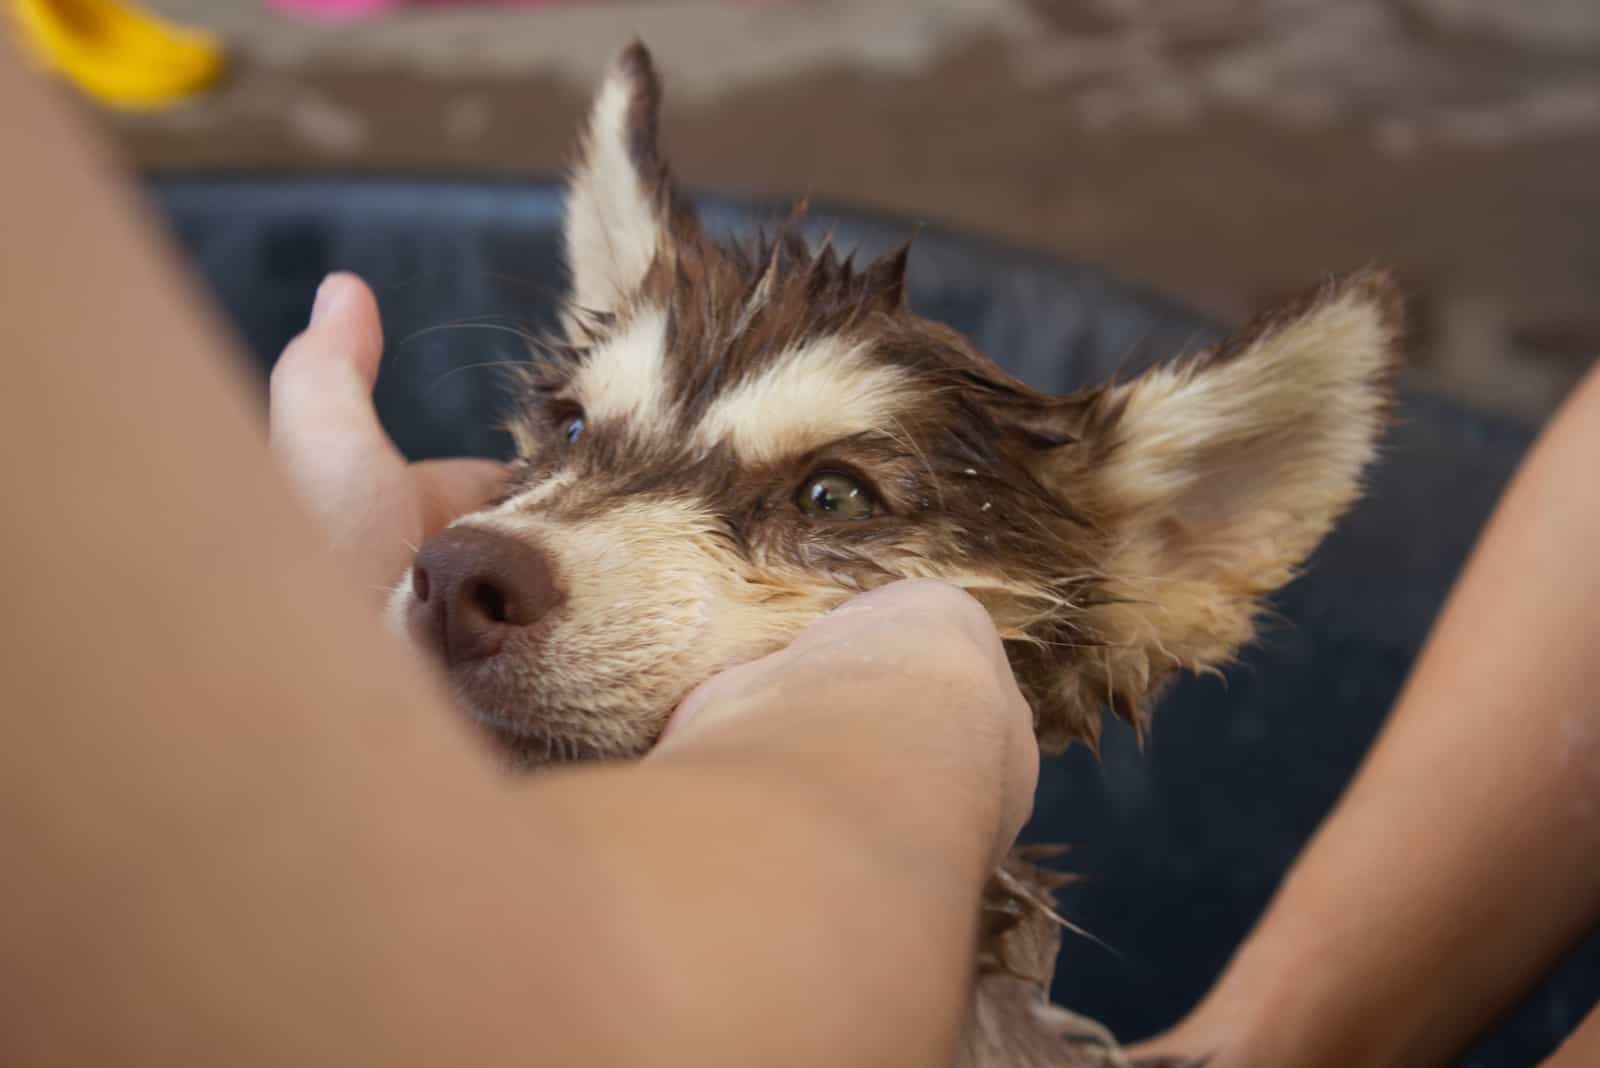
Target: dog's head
[729,441]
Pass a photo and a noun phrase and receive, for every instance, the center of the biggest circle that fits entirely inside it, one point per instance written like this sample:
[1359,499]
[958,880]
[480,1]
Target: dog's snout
[473,588]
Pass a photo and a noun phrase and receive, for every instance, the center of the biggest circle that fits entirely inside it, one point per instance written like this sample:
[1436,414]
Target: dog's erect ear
[1214,478]
[621,205]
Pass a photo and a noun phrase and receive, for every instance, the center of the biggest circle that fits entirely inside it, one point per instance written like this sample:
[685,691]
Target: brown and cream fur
[1116,535]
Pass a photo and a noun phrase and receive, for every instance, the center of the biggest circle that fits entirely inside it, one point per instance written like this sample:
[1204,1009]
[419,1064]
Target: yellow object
[117,53]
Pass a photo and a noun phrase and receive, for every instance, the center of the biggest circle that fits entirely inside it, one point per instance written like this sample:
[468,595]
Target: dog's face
[731,441]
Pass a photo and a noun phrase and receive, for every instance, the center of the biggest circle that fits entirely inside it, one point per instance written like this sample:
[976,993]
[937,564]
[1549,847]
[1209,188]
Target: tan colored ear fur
[620,200]
[1216,477]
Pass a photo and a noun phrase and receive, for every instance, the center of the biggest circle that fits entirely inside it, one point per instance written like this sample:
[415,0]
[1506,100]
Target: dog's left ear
[622,208]
[1213,479]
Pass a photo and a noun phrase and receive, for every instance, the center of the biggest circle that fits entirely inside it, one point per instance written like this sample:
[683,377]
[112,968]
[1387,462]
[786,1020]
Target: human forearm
[1582,1047]
[707,907]
[252,829]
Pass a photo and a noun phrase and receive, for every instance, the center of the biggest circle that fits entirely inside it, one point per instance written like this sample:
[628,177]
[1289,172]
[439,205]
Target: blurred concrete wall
[1224,150]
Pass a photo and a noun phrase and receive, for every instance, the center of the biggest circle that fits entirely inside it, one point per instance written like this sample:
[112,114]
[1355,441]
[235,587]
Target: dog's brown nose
[475,587]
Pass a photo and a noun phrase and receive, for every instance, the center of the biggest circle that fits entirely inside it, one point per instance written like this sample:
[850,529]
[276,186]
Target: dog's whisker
[478,366]
[469,324]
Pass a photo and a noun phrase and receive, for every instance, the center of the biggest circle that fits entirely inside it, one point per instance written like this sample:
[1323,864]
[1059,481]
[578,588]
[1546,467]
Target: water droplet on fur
[986,506]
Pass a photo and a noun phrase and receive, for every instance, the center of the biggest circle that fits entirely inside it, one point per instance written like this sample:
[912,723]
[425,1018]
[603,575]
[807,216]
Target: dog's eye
[830,495]
[573,430]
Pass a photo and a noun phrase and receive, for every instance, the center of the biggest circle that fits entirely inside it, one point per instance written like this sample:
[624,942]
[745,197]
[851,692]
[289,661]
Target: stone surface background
[1226,151]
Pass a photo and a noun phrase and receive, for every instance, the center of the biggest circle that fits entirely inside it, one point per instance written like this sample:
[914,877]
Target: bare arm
[1582,1047]
[1465,857]
[237,819]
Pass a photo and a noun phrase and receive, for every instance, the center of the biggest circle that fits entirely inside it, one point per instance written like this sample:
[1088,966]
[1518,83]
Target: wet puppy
[729,440]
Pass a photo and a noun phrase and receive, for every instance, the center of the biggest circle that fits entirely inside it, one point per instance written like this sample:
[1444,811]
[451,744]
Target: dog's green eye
[834,496]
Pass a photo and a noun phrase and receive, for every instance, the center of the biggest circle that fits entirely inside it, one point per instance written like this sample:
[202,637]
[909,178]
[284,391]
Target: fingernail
[327,298]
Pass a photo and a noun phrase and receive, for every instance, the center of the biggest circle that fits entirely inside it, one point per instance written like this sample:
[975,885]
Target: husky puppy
[729,440]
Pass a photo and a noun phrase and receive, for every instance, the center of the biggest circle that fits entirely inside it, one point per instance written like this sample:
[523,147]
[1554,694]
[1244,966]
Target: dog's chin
[525,746]
[531,742]
[531,752]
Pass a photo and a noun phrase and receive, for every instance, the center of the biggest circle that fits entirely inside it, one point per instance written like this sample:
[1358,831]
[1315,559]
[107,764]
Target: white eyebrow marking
[814,394]
[624,378]
[538,492]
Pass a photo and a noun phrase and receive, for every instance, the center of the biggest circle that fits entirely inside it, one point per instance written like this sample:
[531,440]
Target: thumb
[321,387]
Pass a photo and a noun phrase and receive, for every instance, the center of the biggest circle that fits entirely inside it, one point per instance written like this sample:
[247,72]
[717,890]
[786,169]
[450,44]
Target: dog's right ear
[621,205]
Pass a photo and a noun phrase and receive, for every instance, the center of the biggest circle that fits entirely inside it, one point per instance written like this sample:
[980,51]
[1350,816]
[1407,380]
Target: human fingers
[921,652]
[322,416]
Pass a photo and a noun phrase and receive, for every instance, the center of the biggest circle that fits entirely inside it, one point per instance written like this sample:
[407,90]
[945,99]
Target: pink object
[335,9]
[341,10]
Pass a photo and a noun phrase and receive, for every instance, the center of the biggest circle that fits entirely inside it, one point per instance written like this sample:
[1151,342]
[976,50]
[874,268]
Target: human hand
[375,508]
[917,658]
[1193,1043]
